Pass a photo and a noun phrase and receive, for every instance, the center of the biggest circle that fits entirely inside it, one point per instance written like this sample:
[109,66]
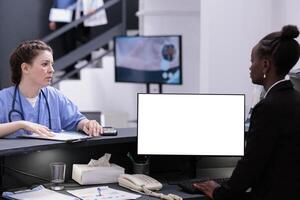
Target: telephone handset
[138,181]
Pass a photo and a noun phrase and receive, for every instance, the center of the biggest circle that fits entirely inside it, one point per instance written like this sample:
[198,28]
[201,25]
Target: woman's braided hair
[282,48]
[25,53]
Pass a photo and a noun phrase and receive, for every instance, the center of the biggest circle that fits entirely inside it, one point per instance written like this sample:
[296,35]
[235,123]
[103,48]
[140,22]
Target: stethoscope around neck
[21,112]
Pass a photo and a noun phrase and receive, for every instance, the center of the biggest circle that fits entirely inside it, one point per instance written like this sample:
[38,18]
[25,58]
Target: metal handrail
[71,73]
[86,48]
[80,52]
[71,25]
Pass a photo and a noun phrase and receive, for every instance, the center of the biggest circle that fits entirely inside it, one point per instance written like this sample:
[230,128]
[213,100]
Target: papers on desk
[102,193]
[37,193]
[67,136]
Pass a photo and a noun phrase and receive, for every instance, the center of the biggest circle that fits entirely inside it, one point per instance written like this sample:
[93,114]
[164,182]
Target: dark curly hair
[25,53]
[282,48]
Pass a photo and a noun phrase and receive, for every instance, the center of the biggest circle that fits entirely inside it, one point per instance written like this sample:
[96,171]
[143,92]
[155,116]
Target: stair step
[98,91]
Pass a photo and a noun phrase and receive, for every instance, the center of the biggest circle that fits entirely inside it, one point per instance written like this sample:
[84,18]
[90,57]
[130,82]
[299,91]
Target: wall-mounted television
[148,59]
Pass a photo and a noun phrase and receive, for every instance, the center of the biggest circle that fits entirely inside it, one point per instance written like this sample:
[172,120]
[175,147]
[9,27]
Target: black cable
[24,173]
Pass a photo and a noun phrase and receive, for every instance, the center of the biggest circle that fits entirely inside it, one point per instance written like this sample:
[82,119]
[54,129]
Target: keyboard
[187,185]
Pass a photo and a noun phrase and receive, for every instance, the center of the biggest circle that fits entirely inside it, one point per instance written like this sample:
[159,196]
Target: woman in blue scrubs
[31,105]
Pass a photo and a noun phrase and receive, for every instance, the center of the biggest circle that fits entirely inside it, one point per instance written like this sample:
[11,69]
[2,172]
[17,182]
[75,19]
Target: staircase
[96,90]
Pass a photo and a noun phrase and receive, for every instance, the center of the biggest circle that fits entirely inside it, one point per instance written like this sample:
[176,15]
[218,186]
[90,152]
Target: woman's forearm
[10,127]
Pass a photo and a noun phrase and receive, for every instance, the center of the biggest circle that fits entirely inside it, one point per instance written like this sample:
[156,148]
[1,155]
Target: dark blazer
[271,164]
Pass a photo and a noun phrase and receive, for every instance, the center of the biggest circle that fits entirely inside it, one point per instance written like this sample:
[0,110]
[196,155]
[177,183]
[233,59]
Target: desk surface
[174,189]
[125,135]
[17,146]
[167,189]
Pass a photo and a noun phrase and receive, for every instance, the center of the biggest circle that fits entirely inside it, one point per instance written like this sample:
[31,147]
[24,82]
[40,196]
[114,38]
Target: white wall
[229,30]
[98,91]
[165,17]
[286,12]
[218,36]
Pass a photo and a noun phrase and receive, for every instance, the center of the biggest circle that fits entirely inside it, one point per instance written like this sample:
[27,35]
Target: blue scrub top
[64,113]
[63,3]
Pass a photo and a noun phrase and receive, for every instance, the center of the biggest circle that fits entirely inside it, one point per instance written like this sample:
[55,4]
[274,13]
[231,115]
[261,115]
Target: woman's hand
[207,187]
[91,127]
[41,130]
[52,26]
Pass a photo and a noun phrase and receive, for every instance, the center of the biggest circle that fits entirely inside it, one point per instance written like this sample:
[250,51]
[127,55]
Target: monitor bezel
[206,155]
[150,36]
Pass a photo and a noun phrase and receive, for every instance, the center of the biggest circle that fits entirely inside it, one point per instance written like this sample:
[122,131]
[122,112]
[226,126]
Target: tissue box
[85,175]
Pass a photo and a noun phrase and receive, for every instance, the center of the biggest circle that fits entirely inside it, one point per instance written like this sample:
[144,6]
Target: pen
[99,191]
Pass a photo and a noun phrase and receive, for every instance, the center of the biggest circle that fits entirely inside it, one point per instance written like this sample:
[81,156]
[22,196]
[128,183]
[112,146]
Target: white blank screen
[190,124]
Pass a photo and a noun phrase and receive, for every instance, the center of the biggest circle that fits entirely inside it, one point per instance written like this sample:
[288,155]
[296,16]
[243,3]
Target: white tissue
[102,161]
[97,171]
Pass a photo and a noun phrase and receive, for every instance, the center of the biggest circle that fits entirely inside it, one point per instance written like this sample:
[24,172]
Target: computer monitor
[148,59]
[191,124]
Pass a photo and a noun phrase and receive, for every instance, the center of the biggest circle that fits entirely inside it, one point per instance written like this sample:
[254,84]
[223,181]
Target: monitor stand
[159,88]
[164,167]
